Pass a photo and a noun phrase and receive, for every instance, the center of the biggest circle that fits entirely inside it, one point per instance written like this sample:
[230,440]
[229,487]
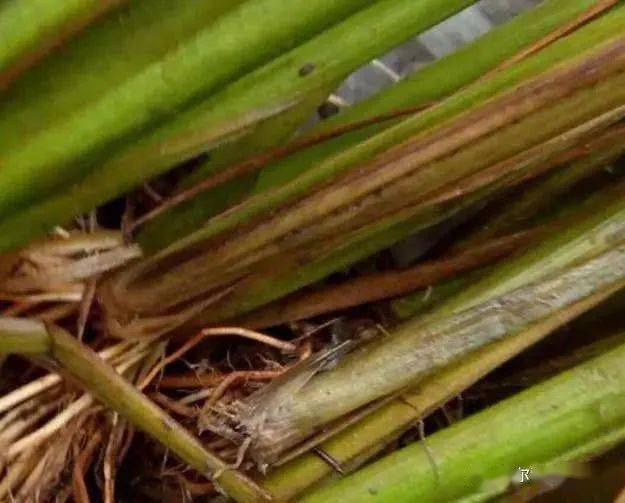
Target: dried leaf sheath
[587,157]
[422,351]
[359,442]
[563,271]
[566,419]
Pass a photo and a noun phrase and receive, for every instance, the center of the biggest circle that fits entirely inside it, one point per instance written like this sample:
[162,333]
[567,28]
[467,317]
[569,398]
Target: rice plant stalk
[356,443]
[569,418]
[435,82]
[257,244]
[514,296]
[176,92]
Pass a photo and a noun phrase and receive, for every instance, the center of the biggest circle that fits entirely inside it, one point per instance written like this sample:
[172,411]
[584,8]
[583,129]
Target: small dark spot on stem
[307,69]
[328,110]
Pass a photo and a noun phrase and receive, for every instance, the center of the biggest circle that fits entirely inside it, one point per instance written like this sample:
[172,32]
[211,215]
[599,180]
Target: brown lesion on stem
[255,163]
[416,153]
[385,285]
[236,250]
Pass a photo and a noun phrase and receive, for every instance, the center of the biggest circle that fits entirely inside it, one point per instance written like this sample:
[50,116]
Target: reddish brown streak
[263,160]
[380,286]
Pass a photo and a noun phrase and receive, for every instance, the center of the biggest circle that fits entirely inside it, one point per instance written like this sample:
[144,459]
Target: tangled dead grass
[56,440]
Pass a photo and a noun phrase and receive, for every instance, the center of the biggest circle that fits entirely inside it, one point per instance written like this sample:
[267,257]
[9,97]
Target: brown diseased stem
[385,285]
[262,160]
